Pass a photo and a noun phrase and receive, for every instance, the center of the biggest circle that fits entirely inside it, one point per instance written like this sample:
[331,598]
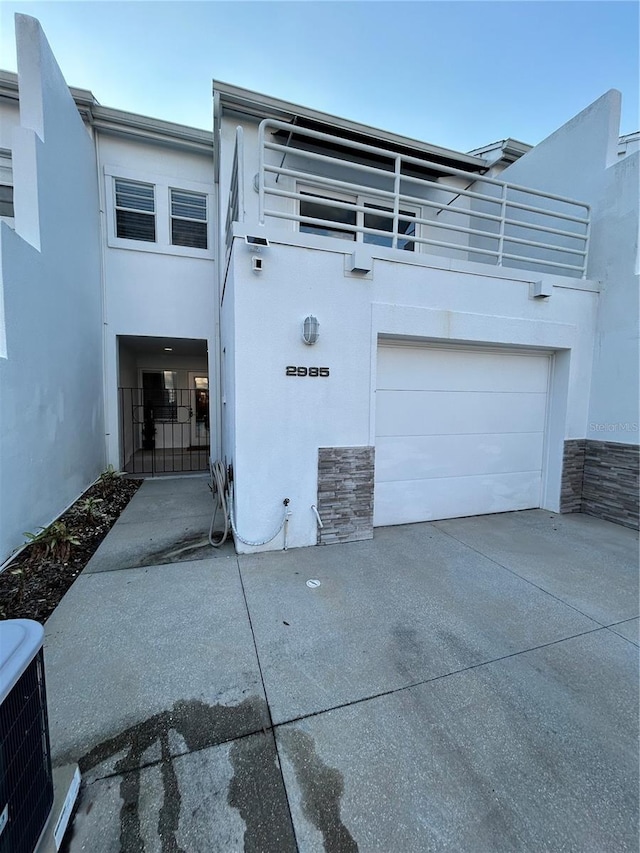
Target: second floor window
[6,200]
[319,207]
[333,217]
[135,211]
[188,219]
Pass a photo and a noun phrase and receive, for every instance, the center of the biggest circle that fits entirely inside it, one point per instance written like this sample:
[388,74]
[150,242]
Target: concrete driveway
[463,685]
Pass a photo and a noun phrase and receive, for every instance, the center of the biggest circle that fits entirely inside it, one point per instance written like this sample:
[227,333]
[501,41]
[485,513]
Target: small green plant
[90,508]
[53,541]
[108,479]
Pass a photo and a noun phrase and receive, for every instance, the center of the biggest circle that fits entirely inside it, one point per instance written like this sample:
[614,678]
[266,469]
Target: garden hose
[222,490]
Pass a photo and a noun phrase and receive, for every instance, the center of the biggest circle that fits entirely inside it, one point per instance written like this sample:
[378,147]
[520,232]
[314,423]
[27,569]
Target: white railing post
[587,237]
[503,217]
[261,149]
[396,200]
[241,213]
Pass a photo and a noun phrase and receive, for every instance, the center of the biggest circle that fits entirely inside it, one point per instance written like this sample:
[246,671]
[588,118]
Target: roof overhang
[120,122]
[504,150]
[235,100]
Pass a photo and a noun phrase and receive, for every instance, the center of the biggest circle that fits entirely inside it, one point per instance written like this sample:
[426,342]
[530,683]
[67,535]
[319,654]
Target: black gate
[164,430]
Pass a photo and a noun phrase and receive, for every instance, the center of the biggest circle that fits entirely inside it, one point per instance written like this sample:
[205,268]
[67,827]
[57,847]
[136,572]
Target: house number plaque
[292,370]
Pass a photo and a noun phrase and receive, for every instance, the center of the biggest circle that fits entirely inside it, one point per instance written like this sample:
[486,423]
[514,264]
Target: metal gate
[164,430]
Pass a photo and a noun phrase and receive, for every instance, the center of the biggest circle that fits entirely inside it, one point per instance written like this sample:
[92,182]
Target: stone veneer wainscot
[601,478]
[345,493]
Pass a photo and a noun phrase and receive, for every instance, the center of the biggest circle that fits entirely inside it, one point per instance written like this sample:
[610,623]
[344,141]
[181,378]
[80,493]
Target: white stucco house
[472,319]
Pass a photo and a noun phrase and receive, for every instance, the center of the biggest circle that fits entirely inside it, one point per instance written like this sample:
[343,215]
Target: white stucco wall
[581,160]
[51,413]
[274,425]
[155,290]
[281,421]
[613,412]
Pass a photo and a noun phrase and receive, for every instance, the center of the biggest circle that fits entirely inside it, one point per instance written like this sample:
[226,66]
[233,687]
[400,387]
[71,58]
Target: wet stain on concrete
[408,651]
[201,726]
[257,791]
[187,548]
[321,787]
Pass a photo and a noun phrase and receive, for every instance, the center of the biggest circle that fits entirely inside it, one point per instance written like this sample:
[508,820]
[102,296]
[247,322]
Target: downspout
[103,290]
[217,341]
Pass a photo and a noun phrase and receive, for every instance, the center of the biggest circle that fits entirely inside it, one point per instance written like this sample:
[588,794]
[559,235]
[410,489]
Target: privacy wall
[51,411]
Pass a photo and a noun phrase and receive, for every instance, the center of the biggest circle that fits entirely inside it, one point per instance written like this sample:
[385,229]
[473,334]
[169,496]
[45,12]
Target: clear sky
[458,74]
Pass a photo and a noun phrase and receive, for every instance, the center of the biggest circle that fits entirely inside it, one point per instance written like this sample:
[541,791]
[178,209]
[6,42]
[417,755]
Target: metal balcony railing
[481,219]
[235,206]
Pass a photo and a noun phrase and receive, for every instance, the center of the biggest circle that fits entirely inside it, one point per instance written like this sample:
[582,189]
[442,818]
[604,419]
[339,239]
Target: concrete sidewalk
[464,685]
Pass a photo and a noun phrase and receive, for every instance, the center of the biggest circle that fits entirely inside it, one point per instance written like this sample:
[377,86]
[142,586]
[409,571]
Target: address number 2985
[292,370]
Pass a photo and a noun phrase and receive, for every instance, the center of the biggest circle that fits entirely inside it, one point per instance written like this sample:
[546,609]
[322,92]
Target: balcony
[318,183]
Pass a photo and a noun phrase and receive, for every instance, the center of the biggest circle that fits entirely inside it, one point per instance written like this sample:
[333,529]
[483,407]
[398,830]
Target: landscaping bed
[34,582]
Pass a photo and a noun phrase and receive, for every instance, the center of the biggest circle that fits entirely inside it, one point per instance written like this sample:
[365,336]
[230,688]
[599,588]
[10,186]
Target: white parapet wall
[581,159]
[51,410]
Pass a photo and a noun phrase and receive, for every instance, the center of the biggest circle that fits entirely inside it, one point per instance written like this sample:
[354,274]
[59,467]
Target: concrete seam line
[515,574]
[438,677]
[266,699]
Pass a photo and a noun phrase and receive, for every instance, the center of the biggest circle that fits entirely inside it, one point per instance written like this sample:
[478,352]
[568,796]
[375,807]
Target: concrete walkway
[464,685]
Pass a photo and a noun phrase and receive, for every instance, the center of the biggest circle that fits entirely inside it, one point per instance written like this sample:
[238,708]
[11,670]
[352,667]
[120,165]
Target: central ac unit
[28,817]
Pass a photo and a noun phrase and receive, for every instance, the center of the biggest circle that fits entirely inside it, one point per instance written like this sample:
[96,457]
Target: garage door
[458,432]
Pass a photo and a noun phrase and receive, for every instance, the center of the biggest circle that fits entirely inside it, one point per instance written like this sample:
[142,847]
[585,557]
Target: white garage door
[458,432]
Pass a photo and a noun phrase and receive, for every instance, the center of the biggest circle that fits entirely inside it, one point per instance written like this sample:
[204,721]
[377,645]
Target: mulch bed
[33,584]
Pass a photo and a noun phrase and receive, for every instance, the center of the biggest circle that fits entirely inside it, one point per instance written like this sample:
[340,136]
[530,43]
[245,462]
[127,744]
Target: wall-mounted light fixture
[255,242]
[310,329]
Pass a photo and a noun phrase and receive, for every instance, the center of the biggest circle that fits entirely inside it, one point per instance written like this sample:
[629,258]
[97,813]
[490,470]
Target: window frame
[162,184]
[318,196]
[173,217]
[149,213]
[359,199]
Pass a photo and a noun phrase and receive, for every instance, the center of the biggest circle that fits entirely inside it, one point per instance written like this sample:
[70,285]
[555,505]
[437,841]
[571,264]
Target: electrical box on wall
[542,289]
[360,260]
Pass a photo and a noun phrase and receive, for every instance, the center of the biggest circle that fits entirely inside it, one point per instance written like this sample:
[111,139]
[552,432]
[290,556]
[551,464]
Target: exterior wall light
[310,329]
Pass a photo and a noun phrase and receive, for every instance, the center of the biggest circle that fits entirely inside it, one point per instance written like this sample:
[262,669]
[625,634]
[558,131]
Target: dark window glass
[384,222]
[323,209]
[135,211]
[135,226]
[159,397]
[186,233]
[188,219]
[6,200]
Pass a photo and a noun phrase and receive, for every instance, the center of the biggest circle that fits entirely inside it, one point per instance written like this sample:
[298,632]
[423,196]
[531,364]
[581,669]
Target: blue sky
[457,74]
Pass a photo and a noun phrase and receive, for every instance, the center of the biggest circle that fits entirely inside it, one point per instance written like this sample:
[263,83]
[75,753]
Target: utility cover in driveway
[458,432]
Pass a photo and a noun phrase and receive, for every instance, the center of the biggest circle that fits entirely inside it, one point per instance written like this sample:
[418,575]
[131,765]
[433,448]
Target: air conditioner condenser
[35,802]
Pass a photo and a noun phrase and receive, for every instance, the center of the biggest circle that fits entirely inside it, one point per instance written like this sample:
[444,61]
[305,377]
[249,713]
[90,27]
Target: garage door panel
[420,457]
[458,432]
[426,369]
[451,412]
[454,497]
